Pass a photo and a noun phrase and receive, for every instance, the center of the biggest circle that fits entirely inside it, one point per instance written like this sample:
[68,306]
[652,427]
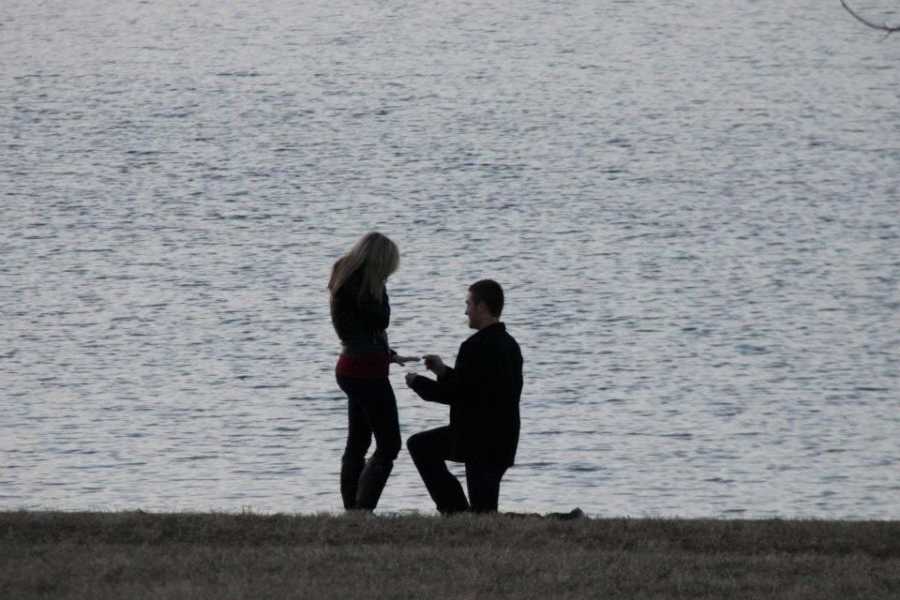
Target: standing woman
[360,313]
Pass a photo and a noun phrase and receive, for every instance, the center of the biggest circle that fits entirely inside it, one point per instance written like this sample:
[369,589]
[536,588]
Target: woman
[360,313]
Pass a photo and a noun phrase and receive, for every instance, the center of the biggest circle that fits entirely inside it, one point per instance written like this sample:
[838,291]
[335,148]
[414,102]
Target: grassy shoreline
[219,556]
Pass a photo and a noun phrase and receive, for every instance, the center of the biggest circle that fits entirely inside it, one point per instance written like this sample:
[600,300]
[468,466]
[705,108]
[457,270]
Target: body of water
[694,207]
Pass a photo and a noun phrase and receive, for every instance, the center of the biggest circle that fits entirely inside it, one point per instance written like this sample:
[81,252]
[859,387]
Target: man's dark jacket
[483,392]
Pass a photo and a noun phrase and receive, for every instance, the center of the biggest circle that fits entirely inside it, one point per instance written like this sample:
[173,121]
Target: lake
[694,208]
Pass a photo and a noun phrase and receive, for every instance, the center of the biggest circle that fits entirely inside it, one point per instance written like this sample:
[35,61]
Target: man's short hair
[489,292]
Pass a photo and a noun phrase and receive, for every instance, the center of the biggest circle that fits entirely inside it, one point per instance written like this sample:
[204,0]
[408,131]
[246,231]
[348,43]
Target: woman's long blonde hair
[376,255]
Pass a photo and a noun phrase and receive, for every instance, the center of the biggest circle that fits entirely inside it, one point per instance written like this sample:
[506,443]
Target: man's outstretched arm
[448,386]
[427,389]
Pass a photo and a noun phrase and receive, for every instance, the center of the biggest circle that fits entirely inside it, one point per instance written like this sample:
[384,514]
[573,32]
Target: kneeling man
[483,392]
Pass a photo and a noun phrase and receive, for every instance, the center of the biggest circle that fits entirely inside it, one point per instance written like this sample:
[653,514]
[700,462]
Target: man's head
[484,304]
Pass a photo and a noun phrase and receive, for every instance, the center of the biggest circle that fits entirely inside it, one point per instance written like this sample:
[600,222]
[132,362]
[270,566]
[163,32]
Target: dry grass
[219,556]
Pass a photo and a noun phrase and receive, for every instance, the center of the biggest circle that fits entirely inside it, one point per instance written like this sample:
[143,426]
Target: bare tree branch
[885,27]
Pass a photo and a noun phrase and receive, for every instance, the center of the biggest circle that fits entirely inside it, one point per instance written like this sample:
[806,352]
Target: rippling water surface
[694,208]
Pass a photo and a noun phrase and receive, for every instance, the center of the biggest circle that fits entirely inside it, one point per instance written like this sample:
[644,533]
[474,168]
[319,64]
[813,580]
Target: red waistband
[363,366]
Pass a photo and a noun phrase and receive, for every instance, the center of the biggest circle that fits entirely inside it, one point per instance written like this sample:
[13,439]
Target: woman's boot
[351,469]
[371,483]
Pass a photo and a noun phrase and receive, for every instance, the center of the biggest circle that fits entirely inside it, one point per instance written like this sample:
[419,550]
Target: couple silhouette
[482,389]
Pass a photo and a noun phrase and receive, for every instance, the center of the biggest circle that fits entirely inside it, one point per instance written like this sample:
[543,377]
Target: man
[483,392]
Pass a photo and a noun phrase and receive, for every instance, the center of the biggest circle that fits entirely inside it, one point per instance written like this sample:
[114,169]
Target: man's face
[472,311]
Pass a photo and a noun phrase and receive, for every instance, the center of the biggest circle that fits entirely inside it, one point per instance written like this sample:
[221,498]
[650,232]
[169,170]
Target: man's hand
[409,378]
[434,364]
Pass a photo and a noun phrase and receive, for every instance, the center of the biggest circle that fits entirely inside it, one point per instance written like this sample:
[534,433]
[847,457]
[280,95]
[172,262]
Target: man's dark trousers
[430,450]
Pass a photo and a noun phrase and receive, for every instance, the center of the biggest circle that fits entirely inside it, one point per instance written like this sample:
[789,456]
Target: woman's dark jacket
[483,391]
[360,321]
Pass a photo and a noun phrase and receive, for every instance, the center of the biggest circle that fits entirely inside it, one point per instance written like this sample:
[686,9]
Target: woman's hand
[402,360]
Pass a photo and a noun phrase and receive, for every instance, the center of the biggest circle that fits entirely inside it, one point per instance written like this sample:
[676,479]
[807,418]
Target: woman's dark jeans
[372,409]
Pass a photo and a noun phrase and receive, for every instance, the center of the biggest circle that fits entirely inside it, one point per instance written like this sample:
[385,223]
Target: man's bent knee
[414,443]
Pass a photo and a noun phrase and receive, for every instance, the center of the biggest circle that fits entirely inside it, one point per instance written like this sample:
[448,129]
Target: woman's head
[376,256]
